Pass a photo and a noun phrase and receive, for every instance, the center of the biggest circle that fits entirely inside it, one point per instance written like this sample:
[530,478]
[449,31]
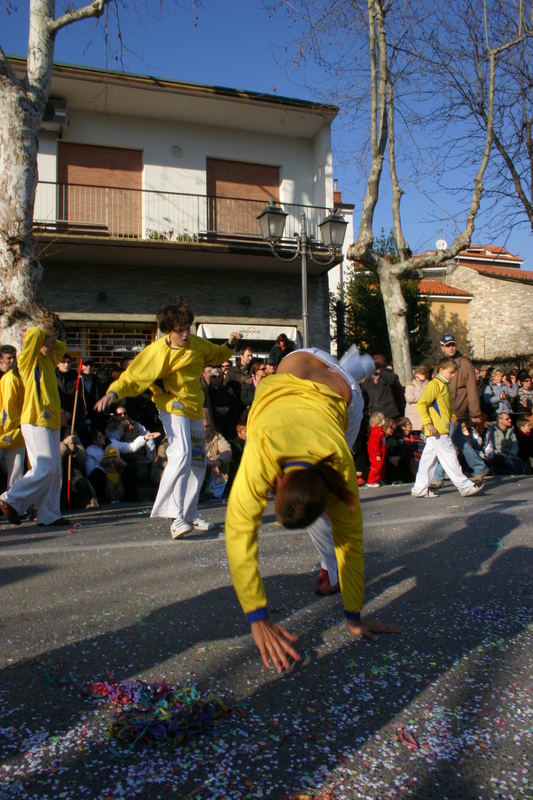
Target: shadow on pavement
[461,593]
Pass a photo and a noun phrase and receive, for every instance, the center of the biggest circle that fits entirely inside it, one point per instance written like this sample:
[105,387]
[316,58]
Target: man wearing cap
[91,388]
[466,406]
[66,383]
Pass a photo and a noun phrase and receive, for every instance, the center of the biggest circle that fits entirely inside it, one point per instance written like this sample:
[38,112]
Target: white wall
[164,172]
[45,199]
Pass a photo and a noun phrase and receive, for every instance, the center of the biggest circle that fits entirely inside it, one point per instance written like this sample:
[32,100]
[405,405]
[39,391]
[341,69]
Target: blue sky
[236,44]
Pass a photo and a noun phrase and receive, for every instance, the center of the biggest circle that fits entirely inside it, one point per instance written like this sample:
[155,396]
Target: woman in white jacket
[413,391]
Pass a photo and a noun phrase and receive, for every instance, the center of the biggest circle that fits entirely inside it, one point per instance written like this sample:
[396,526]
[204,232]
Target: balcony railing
[163,216]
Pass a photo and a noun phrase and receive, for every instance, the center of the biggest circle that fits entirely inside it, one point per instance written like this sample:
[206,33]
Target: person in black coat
[383,391]
[66,383]
[281,349]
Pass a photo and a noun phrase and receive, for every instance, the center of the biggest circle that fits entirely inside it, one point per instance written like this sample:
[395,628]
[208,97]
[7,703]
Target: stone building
[486,299]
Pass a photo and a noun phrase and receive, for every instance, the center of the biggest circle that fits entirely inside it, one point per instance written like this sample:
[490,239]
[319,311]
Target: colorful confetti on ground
[400,723]
[441,712]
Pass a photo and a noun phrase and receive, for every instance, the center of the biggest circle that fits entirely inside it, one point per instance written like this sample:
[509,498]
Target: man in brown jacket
[465,404]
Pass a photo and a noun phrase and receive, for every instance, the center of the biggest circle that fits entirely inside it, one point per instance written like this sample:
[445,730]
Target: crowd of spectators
[107,457]
[494,409]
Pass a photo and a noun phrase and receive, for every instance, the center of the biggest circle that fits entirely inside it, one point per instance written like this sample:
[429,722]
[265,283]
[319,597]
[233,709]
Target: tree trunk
[396,315]
[22,104]
[20,299]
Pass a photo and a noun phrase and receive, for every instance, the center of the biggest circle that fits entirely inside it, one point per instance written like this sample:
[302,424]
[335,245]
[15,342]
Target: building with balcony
[149,188]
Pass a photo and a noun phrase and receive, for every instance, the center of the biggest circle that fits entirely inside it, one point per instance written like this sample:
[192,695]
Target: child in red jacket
[376,450]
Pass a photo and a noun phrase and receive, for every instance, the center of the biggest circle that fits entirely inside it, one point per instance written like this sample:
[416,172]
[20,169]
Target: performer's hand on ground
[273,643]
[370,628]
[105,401]
[234,337]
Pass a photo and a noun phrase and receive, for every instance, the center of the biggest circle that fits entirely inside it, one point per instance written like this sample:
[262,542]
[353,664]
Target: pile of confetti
[157,713]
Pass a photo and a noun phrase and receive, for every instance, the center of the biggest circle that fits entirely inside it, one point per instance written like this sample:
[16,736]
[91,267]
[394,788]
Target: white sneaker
[180,528]
[477,487]
[201,524]
[426,493]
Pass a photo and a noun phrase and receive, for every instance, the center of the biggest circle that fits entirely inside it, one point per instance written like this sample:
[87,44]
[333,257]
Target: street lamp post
[333,229]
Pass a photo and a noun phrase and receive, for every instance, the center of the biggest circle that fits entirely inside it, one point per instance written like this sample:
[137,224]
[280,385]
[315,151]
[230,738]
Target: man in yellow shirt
[40,423]
[171,367]
[11,399]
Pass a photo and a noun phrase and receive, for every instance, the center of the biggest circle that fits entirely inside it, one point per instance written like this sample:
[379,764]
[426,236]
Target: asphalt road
[441,711]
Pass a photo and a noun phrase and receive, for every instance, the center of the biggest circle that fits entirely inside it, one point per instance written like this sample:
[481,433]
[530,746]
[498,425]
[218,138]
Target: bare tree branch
[94,9]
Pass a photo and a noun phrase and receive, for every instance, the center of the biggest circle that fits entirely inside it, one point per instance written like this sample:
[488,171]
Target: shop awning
[221,330]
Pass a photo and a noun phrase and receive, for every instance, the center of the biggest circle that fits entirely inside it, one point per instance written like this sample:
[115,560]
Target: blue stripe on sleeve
[37,377]
[353,615]
[258,614]
[435,406]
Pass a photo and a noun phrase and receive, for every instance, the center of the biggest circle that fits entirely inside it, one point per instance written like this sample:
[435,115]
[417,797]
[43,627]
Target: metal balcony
[118,213]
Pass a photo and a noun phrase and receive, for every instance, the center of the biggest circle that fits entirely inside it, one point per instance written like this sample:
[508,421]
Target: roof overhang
[118,93]
[235,256]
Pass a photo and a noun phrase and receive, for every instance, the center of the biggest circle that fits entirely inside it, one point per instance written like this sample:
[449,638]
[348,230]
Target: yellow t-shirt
[291,420]
[11,399]
[171,374]
[42,406]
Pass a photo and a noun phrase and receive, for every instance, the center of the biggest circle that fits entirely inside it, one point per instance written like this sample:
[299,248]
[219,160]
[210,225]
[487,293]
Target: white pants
[179,489]
[41,485]
[14,458]
[439,448]
[320,531]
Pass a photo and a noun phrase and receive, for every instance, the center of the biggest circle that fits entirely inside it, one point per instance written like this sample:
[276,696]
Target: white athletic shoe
[200,524]
[426,493]
[477,487]
[180,528]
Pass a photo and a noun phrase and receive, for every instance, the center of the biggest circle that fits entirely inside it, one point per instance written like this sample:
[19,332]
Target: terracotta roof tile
[490,252]
[431,287]
[520,275]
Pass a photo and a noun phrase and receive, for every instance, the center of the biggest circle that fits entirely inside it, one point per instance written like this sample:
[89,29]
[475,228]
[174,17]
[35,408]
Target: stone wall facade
[98,290]
[500,318]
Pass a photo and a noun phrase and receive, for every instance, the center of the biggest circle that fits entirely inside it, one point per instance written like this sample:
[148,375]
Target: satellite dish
[442,244]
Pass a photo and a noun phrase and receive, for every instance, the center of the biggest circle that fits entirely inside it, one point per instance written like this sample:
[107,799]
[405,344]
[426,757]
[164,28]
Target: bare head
[175,318]
[50,342]
[421,372]
[246,355]
[65,363]
[301,494]
[8,355]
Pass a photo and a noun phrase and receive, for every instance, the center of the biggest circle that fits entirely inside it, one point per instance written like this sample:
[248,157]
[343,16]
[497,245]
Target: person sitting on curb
[506,460]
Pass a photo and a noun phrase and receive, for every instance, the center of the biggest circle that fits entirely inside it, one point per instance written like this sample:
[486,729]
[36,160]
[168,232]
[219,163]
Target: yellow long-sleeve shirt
[291,419]
[42,406]
[11,399]
[171,374]
[435,405]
